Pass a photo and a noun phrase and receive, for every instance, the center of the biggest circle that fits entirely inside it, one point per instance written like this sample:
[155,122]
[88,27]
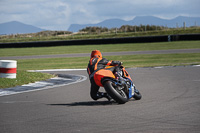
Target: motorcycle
[118,85]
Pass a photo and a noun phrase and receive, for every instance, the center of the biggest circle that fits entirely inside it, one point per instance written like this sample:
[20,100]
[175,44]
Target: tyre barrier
[145,39]
[8,69]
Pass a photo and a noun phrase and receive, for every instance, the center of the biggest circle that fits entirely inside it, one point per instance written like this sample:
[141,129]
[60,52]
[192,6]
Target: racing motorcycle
[118,85]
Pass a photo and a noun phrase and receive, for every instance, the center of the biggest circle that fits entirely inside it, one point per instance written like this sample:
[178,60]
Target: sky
[60,14]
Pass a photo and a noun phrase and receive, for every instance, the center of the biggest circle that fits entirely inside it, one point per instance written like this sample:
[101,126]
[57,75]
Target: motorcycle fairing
[125,73]
[107,74]
[131,91]
[101,74]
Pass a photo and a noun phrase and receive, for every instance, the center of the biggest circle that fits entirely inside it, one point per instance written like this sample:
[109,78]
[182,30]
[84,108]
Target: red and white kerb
[8,68]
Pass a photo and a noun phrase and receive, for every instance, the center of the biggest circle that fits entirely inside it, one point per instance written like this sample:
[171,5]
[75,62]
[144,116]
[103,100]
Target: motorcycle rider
[97,62]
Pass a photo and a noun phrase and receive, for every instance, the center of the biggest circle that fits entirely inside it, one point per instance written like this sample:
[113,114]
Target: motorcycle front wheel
[137,95]
[118,95]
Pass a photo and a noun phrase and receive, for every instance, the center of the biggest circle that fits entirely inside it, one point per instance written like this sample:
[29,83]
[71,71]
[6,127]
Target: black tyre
[137,95]
[118,95]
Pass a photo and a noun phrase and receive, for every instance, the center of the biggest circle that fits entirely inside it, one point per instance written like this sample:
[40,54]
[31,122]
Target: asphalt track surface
[170,104]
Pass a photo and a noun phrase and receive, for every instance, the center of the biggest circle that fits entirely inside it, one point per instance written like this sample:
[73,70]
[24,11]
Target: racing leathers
[94,65]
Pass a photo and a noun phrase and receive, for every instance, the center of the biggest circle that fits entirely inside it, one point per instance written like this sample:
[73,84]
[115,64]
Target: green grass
[128,61]
[159,60]
[24,77]
[52,63]
[102,48]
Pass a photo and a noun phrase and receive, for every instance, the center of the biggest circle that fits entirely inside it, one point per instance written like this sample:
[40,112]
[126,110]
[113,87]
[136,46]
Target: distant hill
[15,27]
[144,20]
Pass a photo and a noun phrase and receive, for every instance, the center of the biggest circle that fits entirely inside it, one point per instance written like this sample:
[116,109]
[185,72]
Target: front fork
[121,85]
[127,86]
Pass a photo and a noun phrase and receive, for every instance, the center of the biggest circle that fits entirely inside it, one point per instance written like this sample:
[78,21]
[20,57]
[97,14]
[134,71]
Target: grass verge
[24,77]
[128,60]
[102,48]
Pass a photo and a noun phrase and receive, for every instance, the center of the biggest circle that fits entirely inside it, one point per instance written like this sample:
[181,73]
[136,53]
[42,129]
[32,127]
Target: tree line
[124,28]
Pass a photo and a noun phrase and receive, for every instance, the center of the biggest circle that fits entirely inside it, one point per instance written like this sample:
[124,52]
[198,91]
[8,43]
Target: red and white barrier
[8,68]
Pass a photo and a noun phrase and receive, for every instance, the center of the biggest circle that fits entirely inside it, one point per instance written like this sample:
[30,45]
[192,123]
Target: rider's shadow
[88,103]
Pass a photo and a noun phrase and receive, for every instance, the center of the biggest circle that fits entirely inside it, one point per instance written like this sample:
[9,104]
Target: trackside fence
[145,39]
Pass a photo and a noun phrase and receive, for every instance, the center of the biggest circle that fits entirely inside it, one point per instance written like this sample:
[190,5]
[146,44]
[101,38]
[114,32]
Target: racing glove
[115,63]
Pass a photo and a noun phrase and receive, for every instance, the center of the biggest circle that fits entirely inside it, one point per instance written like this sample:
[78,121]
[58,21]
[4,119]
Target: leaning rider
[97,63]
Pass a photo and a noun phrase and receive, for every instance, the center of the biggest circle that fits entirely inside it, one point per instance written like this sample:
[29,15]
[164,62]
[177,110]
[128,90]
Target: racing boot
[105,95]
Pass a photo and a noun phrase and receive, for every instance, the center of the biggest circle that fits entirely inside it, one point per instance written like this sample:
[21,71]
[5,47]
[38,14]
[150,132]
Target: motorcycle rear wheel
[118,95]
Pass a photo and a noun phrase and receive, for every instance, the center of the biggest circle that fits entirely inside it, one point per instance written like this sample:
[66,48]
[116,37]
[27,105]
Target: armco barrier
[185,37]
[164,38]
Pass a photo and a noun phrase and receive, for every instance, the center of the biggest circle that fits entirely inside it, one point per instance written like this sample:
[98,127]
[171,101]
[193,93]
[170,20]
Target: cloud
[59,14]
[44,14]
[131,8]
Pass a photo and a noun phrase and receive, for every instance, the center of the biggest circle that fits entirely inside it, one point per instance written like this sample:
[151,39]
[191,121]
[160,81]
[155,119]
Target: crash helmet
[96,53]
